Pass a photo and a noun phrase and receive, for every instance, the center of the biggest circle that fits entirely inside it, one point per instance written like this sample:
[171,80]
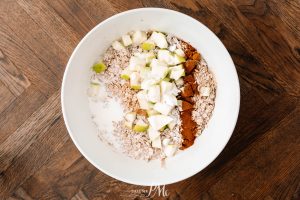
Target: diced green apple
[117,46]
[167,79]
[163,128]
[175,90]
[177,67]
[145,72]
[136,63]
[151,112]
[169,88]
[179,52]
[179,82]
[138,37]
[178,59]
[126,74]
[154,93]
[159,39]
[146,56]
[147,83]
[171,125]
[149,56]
[156,143]
[176,74]
[170,99]
[130,117]
[140,126]
[163,108]
[126,40]
[148,45]
[153,134]
[159,121]
[136,87]
[157,63]
[159,70]
[166,87]
[142,99]
[169,57]
[135,81]
[165,56]
[99,67]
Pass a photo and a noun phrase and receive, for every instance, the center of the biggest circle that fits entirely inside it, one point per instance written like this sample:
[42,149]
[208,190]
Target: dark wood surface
[37,157]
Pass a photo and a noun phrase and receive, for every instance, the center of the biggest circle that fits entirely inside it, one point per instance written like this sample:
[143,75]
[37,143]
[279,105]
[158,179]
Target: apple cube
[135,80]
[126,40]
[158,121]
[153,134]
[156,143]
[163,108]
[135,63]
[138,37]
[159,39]
[154,93]
[117,46]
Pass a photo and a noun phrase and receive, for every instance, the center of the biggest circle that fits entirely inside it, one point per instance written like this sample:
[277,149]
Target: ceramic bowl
[77,115]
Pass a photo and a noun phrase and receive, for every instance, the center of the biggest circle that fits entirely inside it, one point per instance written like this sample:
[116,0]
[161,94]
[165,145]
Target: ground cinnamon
[188,125]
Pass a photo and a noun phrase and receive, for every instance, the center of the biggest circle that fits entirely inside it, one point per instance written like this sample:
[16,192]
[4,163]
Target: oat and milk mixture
[151,94]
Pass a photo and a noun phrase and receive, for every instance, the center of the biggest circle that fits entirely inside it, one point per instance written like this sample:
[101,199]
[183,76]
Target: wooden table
[37,157]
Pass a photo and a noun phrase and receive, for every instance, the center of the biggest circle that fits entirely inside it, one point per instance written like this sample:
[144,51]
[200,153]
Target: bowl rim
[82,151]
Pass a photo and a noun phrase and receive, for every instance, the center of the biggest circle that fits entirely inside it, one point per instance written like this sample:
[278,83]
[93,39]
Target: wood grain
[38,159]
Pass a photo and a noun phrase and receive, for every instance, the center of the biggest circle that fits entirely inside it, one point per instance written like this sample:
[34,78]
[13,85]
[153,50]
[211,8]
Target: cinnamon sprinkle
[188,125]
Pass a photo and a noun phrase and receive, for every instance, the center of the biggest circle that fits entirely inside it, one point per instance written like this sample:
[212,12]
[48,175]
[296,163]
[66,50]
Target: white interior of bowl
[77,114]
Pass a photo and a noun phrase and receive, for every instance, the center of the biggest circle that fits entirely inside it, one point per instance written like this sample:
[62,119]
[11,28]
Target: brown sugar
[196,56]
[189,65]
[191,80]
[188,99]
[187,90]
[186,105]
[189,126]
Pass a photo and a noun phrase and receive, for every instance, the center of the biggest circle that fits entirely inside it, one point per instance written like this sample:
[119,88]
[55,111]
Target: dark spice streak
[188,125]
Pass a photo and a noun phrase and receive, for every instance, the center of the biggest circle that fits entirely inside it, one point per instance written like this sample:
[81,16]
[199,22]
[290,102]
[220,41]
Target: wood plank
[22,194]
[266,44]
[50,173]
[261,169]
[51,23]
[73,14]
[24,160]
[68,185]
[36,39]
[80,196]
[288,13]
[37,72]
[98,10]
[252,70]
[6,97]
[11,76]
[27,133]
[24,106]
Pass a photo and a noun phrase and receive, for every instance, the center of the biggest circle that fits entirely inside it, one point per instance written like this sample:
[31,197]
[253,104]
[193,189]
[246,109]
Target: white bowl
[77,115]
